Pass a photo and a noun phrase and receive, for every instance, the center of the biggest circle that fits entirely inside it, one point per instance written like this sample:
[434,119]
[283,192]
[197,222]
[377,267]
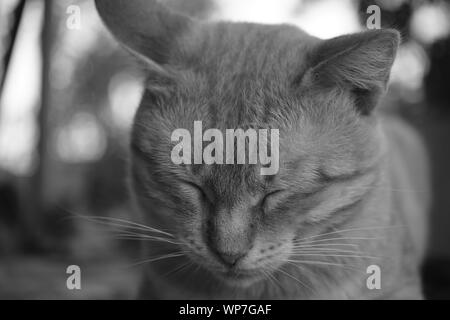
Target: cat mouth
[240,276]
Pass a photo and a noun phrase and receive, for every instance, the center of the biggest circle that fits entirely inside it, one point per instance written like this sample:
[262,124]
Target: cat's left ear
[146,28]
[360,63]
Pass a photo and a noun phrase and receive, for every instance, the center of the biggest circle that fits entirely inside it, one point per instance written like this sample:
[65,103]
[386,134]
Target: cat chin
[240,281]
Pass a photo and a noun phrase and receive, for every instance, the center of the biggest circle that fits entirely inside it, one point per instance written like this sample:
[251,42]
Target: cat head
[320,94]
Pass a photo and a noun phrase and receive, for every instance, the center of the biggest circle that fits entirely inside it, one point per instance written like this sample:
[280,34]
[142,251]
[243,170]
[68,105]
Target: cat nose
[230,259]
[229,236]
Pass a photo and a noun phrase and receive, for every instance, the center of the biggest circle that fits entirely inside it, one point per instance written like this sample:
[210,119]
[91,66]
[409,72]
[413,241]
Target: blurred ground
[107,264]
[35,277]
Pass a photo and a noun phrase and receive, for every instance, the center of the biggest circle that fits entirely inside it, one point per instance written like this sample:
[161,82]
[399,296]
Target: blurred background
[68,93]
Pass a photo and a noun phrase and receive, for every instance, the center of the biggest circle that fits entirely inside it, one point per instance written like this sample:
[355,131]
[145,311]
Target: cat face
[236,223]
[240,224]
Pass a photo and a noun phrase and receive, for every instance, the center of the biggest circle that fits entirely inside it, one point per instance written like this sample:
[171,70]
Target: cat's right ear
[145,27]
[357,63]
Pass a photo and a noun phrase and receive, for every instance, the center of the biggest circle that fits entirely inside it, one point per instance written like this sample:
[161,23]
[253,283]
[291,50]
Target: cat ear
[359,63]
[147,28]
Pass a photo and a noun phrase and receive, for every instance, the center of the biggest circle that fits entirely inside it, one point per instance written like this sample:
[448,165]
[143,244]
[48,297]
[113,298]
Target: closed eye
[281,197]
[199,189]
[270,195]
[312,192]
[324,178]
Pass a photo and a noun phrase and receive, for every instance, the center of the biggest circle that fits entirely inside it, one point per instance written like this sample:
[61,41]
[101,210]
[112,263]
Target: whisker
[163,257]
[352,229]
[303,269]
[178,269]
[142,235]
[126,224]
[278,282]
[319,250]
[120,227]
[126,235]
[390,189]
[332,239]
[111,220]
[326,264]
[297,280]
[140,238]
[339,255]
[133,233]
[326,245]
[267,276]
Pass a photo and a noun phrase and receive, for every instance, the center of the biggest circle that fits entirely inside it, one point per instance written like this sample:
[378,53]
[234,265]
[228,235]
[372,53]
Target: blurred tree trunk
[36,208]
[16,17]
[42,116]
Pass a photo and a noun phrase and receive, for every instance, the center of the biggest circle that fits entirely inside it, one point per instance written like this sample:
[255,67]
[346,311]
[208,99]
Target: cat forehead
[301,133]
[237,73]
[246,48]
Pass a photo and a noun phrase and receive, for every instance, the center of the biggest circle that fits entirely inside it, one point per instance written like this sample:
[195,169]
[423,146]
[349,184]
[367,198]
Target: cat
[351,193]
